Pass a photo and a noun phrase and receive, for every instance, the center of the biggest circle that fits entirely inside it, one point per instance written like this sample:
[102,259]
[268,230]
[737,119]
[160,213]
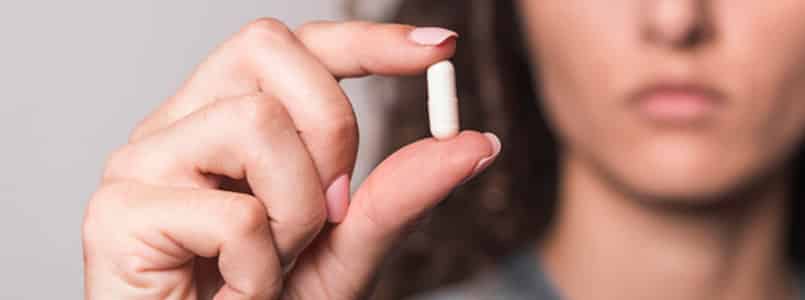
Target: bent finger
[250,138]
[171,226]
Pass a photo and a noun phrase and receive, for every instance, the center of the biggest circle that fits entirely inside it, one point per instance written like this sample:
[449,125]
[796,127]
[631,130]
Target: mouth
[678,103]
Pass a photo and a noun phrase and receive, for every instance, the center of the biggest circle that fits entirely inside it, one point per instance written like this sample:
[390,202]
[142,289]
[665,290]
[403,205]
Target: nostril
[695,37]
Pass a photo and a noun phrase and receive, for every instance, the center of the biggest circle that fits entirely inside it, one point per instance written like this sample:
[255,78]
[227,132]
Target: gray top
[518,277]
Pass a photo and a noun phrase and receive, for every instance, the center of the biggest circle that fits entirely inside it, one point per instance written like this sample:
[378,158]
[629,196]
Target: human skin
[660,204]
[645,211]
[224,191]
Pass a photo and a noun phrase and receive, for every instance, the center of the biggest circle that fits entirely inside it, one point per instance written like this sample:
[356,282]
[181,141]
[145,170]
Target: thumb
[399,191]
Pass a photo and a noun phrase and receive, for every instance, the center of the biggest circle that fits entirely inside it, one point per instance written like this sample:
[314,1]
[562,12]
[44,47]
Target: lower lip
[678,106]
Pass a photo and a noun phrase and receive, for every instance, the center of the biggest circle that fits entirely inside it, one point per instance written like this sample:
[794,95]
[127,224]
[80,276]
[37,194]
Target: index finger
[355,49]
[345,49]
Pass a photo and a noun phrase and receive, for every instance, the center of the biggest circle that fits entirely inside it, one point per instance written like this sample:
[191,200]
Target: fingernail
[485,162]
[431,36]
[337,198]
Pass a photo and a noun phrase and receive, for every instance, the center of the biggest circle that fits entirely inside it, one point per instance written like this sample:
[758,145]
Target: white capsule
[442,100]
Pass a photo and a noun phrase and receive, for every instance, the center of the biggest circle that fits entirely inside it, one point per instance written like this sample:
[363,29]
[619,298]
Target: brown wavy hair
[512,204]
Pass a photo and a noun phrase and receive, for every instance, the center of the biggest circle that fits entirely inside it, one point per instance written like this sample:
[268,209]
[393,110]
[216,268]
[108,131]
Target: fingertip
[431,36]
[469,142]
[476,145]
[482,143]
[494,141]
[423,47]
[357,48]
[487,161]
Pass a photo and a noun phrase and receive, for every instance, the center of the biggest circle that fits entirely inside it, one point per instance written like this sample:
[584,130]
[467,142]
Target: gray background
[76,77]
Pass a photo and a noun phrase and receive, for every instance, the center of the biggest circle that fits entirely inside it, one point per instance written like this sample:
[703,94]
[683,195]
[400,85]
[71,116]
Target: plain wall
[76,77]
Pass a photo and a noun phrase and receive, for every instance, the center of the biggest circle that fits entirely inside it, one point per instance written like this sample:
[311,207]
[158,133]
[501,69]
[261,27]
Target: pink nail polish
[431,36]
[337,198]
[487,161]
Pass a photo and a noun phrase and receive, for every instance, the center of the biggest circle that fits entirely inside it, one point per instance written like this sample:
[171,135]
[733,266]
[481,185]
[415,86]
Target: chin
[687,174]
[674,188]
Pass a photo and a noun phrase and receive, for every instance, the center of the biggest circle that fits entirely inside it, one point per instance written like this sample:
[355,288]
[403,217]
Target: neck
[605,245]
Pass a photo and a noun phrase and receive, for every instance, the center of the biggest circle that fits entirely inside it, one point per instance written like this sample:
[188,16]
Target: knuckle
[248,214]
[118,162]
[341,130]
[344,128]
[242,108]
[129,160]
[259,115]
[97,211]
[109,193]
[310,220]
[369,211]
[309,29]
[131,267]
[267,30]
[402,222]
[304,221]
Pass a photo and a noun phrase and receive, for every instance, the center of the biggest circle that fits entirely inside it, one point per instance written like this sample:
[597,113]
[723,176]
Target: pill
[442,100]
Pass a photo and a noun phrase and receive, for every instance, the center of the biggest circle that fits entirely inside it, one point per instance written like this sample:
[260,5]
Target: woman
[678,127]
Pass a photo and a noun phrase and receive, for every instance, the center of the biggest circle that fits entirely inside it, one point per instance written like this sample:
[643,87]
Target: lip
[678,103]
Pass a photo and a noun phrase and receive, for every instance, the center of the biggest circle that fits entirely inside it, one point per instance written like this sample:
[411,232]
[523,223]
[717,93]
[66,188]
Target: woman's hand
[224,190]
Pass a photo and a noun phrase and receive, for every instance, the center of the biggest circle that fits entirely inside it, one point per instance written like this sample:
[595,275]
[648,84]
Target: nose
[675,23]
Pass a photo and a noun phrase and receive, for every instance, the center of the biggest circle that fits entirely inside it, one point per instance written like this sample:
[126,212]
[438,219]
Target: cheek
[761,63]
[578,48]
[586,62]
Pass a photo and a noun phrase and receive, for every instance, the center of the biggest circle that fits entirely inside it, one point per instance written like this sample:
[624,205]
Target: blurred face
[673,99]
